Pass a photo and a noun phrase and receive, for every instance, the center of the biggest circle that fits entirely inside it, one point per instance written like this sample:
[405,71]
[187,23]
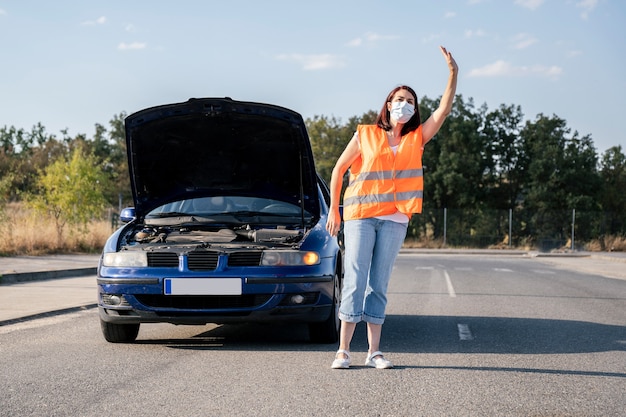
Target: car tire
[327,331]
[119,333]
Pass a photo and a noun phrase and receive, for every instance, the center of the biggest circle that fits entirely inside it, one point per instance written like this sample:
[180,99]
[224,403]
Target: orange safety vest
[383,183]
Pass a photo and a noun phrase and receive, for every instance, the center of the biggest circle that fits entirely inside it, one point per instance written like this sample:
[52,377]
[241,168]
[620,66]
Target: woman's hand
[454,68]
[333,224]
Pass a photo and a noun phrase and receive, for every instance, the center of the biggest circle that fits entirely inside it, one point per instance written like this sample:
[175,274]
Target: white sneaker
[377,360]
[341,363]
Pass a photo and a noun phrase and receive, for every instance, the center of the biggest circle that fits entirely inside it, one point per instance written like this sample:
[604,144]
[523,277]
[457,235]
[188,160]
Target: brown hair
[383,117]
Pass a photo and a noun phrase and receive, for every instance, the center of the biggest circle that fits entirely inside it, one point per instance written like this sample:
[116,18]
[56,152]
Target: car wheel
[119,333]
[327,331]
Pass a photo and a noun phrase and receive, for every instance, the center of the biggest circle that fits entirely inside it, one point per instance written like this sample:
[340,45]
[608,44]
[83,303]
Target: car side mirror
[128,214]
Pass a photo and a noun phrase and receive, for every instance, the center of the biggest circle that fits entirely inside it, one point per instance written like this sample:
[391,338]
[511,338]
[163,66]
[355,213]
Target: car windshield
[228,205]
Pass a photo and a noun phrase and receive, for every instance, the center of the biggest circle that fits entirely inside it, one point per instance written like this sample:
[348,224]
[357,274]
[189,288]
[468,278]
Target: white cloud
[375,37]
[530,4]
[478,33]
[313,62]
[523,41]
[2,12]
[370,38]
[506,69]
[430,38]
[99,21]
[587,6]
[123,46]
[129,27]
[449,15]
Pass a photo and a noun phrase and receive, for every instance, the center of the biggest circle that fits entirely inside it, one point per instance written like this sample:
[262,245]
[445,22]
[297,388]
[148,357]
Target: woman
[385,189]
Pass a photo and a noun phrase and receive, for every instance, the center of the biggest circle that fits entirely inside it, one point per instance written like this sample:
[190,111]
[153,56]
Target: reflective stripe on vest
[387,175]
[382,198]
[381,182]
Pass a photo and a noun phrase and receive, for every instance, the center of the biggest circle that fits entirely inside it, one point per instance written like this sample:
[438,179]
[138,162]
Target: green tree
[118,160]
[612,197]
[561,175]
[582,182]
[329,137]
[108,146]
[454,164]
[71,191]
[503,178]
[22,154]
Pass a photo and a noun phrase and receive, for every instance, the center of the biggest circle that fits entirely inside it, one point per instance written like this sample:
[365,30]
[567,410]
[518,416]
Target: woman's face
[401,95]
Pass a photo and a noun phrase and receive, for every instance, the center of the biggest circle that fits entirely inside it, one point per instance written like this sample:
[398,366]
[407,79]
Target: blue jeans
[371,249]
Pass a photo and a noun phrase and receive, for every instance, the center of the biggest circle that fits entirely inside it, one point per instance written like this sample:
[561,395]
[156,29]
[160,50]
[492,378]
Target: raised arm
[435,121]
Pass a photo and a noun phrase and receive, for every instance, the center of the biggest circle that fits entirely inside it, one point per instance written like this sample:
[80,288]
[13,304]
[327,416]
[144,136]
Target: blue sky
[72,64]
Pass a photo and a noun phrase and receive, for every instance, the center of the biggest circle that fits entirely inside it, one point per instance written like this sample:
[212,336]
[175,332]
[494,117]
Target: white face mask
[402,111]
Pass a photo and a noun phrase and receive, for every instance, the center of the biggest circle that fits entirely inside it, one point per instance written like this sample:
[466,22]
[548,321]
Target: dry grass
[25,233]
[425,243]
[607,244]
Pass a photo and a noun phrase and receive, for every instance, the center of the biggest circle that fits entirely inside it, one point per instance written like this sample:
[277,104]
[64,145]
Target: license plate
[202,286]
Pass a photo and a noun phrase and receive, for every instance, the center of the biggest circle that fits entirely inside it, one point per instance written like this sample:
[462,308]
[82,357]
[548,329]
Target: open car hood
[218,146]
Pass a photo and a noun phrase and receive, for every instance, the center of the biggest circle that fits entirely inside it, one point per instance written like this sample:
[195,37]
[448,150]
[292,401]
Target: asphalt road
[469,335]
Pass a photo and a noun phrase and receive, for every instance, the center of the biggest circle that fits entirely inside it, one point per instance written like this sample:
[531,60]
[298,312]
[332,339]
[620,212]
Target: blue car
[228,223]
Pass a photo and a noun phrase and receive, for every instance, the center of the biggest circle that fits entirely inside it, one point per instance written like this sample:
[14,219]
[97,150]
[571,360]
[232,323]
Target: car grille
[202,260]
[204,302]
[248,258]
[162,259]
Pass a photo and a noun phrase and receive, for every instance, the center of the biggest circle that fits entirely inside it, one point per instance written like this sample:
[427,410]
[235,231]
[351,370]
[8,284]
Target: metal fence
[543,231]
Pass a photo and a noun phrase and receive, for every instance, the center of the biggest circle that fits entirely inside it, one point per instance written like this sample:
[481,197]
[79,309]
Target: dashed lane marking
[451,291]
[464,332]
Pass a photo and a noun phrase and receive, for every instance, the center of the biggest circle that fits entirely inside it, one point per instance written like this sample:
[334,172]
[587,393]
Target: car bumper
[263,299]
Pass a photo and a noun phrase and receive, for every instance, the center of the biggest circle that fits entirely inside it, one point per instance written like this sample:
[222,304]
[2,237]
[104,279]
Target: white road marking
[502,270]
[543,271]
[43,321]
[464,332]
[451,291]
[430,268]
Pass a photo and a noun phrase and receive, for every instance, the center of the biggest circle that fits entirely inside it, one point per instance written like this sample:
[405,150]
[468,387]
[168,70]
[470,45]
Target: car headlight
[123,259]
[289,258]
